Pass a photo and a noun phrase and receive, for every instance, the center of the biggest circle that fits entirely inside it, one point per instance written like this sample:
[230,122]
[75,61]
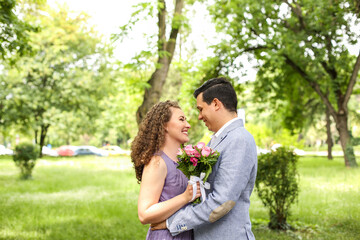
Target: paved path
[324,153]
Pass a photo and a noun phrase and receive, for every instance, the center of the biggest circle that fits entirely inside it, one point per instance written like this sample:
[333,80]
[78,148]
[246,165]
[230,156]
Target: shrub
[25,155]
[277,184]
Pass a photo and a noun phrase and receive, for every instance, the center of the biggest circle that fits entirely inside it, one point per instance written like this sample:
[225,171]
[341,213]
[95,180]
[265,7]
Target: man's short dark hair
[221,89]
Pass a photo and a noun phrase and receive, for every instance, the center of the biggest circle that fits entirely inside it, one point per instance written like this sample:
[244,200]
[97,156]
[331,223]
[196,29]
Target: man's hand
[158,226]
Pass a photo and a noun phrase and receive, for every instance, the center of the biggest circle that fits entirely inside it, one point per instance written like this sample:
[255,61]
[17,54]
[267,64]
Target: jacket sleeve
[235,166]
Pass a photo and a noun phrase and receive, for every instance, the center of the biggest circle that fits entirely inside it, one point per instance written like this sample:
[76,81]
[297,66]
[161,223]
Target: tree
[296,104]
[310,37]
[165,49]
[13,30]
[13,41]
[68,72]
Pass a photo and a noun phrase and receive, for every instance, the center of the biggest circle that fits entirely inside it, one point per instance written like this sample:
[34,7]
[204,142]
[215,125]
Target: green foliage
[25,156]
[356,141]
[69,71]
[13,34]
[277,184]
[303,54]
[265,136]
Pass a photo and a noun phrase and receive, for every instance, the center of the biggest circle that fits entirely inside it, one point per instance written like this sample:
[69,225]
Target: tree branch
[312,83]
[161,25]
[297,11]
[249,49]
[175,27]
[352,81]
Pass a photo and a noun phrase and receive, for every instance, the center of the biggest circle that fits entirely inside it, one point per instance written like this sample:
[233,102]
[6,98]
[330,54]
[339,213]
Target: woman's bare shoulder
[157,162]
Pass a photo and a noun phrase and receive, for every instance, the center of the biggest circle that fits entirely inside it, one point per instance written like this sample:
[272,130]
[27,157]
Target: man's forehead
[199,98]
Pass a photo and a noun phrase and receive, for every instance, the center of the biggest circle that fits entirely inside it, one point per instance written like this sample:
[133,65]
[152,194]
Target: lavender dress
[175,184]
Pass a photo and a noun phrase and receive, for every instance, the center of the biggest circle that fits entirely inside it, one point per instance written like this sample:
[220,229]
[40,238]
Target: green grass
[96,198]
[328,206]
[70,198]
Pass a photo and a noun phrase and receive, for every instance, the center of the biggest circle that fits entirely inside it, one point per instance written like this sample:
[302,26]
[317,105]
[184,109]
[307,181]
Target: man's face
[206,112]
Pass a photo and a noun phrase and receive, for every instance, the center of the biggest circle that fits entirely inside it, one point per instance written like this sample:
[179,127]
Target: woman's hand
[158,226]
[188,194]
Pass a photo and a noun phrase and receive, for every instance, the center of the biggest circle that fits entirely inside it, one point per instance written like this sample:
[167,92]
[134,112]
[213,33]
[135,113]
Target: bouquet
[196,163]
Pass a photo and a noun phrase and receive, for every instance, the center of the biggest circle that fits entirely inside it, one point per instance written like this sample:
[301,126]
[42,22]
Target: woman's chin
[185,141]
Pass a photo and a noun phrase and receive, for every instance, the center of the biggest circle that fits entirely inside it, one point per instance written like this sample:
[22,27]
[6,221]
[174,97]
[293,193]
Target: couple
[164,192]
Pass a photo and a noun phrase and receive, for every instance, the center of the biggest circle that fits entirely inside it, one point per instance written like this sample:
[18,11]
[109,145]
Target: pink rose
[189,150]
[197,154]
[206,151]
[179,152]
[194,161]
[200,145]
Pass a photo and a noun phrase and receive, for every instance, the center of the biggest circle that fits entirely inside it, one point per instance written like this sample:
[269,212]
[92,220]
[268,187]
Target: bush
[277,184]
[356,141]
[25,155]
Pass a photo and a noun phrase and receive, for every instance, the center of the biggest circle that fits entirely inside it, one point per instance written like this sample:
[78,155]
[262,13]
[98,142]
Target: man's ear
[217,104]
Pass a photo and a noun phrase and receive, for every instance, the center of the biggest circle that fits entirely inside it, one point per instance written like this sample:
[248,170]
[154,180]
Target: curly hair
[151,135]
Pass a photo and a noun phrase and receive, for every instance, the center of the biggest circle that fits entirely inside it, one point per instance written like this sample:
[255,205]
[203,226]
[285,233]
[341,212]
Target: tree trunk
[153,94]
[166,49]
[36,136]
[44,129]
[328,133]
[345,140]
[278,221]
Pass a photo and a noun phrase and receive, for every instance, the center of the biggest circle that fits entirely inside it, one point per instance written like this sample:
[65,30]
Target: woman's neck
[170,149]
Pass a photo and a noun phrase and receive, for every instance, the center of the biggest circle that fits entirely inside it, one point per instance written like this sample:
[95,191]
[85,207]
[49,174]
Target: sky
[108,15]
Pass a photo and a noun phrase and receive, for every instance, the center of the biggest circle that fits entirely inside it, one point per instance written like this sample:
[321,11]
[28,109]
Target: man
[225,212]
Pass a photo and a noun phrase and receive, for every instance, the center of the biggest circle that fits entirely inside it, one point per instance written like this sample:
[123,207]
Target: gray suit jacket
[225,212]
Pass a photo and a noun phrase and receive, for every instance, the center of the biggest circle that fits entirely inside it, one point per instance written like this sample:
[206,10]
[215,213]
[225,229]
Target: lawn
[96,198]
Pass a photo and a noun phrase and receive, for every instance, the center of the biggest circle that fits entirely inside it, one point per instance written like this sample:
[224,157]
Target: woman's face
[177,128]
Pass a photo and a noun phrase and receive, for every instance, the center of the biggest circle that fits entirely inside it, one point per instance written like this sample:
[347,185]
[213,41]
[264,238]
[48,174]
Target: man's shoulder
[240,133]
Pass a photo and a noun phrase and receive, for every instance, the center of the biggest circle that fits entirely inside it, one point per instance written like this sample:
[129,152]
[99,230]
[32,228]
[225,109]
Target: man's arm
[230,180]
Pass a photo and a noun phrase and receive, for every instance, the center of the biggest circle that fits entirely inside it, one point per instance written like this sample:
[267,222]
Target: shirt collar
[217,134]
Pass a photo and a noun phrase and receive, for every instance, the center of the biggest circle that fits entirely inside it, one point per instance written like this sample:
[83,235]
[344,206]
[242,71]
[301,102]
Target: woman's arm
[152,183]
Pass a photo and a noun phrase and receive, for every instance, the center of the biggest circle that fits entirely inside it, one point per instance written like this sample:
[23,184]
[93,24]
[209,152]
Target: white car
[90,150]
[5,151]
[115,150]
[49,152]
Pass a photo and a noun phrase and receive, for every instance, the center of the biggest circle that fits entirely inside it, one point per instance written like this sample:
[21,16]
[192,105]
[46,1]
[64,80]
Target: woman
[163,189]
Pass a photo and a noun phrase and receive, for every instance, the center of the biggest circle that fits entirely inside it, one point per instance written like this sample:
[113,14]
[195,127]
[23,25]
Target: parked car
[50,152]
[5,151]
[115,150]
[66,150]
[90,150]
